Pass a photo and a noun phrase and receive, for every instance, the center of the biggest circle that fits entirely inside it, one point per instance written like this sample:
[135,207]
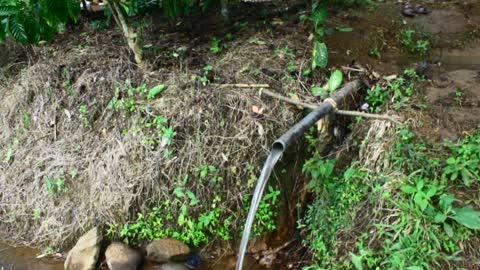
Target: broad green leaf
[320,55]
[344,29]
[451,161]
[319,15]
[414,268]
[357,261]
[319,92]
[335,80]
[446,201]
[431,192]
[155,91]
[178,191]
[420,200]
[193,198]
[420,184]
[328,31]
[448,229]
[307,72]
[468,217]
[73,9]
[440,218]
[409,189]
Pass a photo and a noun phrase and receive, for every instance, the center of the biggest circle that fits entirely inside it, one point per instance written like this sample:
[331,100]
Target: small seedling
[374,52]
[335,80]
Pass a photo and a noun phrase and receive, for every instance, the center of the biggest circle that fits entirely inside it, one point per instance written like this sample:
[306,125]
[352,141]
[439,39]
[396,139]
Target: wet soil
[451,91]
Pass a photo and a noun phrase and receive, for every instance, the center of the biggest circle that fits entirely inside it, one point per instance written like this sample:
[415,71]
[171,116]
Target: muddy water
[24,258]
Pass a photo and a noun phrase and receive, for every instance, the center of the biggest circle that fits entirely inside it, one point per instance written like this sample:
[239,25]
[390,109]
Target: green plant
[421,193]
[465,216]
[8,156]
[398,90]
[285,51]
[419,225]
[217,45]
[335,80]
[459,96]
[96,25]
[55,186]
[291,66]
[320,52]
[126,98]
[37,213]
[209,173]
[337,201]
[374,52]
[33,21]
[207,70]
[155,91]
[266,212]
[415,42]
[83,115]
[464,163]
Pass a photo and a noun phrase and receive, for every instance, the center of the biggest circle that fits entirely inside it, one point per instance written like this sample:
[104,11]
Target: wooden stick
[243,85]
[394,118]
[289,100]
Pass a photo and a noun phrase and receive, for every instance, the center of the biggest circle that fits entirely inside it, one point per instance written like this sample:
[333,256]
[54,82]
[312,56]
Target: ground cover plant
[408,214]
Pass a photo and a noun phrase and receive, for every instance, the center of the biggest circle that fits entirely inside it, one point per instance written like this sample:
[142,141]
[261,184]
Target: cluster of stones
[167,252]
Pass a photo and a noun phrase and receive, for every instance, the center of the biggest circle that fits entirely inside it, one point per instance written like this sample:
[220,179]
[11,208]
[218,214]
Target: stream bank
[451,68]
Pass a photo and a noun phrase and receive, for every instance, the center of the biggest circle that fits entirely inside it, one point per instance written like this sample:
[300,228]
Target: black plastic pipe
[323,109]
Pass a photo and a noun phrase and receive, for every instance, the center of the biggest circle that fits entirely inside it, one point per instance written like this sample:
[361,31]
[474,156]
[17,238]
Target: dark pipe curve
[325,108]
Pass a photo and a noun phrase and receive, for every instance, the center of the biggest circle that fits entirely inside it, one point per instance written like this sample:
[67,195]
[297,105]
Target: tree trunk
[132,38]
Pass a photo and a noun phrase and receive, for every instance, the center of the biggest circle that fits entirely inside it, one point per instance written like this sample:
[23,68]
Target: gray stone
[121,257]
[84,255]
[167,249]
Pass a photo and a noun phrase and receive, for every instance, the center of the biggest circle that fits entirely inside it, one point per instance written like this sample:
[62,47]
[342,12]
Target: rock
[167,249]
[121,257]
[84,255]
[172,266]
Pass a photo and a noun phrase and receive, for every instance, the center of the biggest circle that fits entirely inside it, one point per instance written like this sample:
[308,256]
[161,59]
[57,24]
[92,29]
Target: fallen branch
[394,118]
[243,85]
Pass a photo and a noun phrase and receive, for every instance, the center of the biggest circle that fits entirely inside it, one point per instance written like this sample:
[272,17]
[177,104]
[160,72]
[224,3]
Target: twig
[353,69]
[289,100]
[243,85]
[276,250]
[394,119]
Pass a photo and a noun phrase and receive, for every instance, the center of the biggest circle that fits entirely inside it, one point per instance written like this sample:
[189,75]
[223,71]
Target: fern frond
[3,32]
[17,30]
[6,11]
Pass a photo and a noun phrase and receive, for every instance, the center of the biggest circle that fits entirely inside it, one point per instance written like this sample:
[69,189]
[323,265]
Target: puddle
[23,258]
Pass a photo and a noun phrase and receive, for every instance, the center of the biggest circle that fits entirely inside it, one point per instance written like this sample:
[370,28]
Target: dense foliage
[35,20]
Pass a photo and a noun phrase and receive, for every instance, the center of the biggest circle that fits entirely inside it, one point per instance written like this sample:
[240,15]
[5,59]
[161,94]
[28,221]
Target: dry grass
[112,175]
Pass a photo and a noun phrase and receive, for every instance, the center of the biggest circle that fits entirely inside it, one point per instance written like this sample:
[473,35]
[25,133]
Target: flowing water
[272,159]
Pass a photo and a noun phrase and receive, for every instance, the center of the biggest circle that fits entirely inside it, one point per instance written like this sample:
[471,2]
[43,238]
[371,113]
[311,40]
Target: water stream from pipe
[279,146]
[272,159]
